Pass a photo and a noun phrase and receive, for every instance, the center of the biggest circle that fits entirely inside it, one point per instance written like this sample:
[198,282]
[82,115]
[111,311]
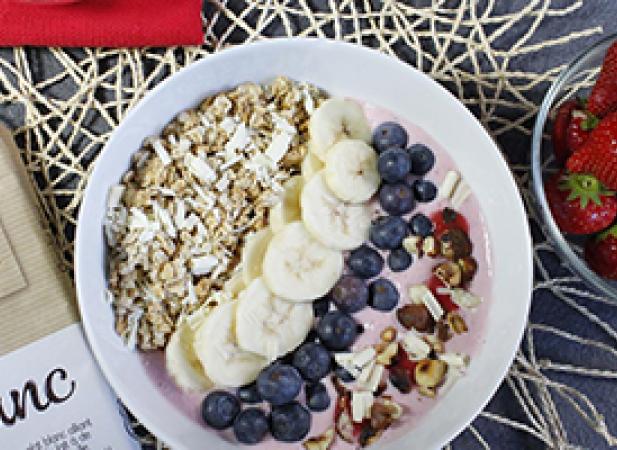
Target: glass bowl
[575,80]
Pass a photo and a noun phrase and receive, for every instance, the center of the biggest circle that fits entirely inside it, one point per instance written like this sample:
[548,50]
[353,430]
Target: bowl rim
[501,367]
[561,245]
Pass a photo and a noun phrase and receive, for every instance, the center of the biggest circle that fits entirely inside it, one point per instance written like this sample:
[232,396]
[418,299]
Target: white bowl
[341,69]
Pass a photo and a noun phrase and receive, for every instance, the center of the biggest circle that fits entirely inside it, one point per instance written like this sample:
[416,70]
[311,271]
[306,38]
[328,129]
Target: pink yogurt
[415,406]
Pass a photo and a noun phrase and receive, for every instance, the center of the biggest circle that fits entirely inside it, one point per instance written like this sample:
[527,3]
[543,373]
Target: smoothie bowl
[302,244]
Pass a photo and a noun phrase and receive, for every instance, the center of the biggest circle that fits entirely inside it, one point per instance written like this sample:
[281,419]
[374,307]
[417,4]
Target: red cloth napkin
[101,23]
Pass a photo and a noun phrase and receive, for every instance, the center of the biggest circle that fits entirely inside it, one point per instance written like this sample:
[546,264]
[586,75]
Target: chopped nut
[442,330]
[456,322]
[412,244]
[427,391]
[387,354]
[415,316]
[469,267]
[429,246]
[455,244]
[388,334]
[450,273]
[430,372]
[322,442]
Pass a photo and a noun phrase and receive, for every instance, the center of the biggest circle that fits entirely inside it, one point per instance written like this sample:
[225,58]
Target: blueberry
[389,134]
[321,306]
[317,398]
[312,361]
[396,199]
[424,191]
[388,232]
[394,164]
[399,259]
[422,159]
[349,294]
[290,422]
[251,426]
[249,393]
[420,225]
[384,295]
[365,262]
[343,375]
[279,383]
[337,330]
[219,409]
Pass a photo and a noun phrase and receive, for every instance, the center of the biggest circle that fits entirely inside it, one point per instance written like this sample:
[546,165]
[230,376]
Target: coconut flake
[203,265]
[432,305]
[239,140]
[415,346]
[278,146]
[114,196]
[199,168]
[161,152]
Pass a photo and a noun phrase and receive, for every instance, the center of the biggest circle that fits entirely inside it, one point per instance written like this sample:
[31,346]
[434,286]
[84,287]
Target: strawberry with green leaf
[598,155]
[601,253]
[579,203]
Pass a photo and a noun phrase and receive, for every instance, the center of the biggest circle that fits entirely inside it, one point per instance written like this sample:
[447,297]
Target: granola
[177,220]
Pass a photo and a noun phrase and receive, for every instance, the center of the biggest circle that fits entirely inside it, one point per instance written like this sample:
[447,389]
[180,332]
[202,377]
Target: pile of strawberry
[582,195]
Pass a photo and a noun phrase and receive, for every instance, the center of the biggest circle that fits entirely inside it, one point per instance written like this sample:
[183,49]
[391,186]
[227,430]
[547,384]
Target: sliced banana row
[286,266]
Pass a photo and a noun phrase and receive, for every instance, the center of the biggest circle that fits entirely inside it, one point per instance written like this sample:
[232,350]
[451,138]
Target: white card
[63,401]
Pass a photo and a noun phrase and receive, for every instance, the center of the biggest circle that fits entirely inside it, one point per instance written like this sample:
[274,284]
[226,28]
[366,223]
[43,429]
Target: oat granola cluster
[177,221]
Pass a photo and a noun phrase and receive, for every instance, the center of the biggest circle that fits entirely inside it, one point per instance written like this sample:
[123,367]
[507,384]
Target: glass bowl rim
[561,246]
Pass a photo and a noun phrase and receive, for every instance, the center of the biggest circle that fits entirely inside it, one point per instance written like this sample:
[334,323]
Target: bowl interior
[341,69]
[576,80]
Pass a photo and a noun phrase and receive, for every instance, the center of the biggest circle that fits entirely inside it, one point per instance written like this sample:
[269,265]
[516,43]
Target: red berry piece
[434,284]
[448,219]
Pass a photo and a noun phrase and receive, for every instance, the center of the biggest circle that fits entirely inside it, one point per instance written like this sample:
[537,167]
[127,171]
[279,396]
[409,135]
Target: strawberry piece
[598,156]
[601,253]
[603,98]
[402,371]
[444,299]
[579,203]
[448,219]
[560,129]
[579,130]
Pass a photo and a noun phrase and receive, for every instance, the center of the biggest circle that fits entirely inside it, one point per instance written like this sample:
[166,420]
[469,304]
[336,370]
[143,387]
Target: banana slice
[253,254]
[215,345]
[335,119]
[268,325]
[235,284]
[297,267]
[288,209]
[351,170]
[334,223]
[311,164]
[182,363]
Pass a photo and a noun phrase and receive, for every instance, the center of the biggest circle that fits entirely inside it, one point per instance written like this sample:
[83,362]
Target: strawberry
[579,129]
[603,98]
[580,204]
[560,129]
[601,253]
[444,300]
[598,156]
[448,219]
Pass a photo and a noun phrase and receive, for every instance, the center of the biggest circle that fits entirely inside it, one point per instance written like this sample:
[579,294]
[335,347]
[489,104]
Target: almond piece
[323,442]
